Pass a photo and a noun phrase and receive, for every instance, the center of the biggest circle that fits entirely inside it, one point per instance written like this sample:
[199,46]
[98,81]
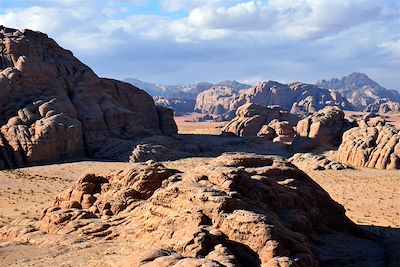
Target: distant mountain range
[189,91]
[359,89]
[353,92]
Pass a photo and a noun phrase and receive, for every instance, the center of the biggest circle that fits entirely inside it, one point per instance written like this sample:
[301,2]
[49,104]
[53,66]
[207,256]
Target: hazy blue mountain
[359,89]
[189,91]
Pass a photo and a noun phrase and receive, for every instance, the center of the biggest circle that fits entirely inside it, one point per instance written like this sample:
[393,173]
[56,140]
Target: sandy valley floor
[371,197]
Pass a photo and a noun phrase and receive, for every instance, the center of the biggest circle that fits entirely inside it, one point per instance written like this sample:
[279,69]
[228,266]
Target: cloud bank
[181,41]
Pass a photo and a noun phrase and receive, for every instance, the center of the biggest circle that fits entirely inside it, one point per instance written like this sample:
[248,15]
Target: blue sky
[185,41]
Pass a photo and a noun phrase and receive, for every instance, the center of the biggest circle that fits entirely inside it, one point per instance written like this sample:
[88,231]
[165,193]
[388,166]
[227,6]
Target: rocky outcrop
[359,89]
[382,106]
[373,147]
[310,161]
[268,122]
[217,101]
[162,148]
[296,97]
[235,210]
[282,131]
[53,107]
[320,130]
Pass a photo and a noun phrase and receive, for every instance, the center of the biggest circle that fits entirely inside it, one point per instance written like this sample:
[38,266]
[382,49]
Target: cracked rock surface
[238,209]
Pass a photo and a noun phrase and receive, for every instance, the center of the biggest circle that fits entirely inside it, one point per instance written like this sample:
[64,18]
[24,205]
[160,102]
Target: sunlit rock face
[53,107]
[236,210]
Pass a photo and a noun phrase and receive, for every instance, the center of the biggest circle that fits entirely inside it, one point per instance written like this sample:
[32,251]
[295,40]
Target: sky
[186,41]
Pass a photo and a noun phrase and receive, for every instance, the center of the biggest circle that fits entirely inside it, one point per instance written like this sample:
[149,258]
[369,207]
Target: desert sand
[371,198]
[206,127]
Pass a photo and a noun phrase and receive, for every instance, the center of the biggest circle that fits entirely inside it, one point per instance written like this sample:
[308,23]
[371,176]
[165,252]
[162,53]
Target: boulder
[373,147]
[238,209]
[284,131]
[251,120]
[53,107]
[321,129]
[310,161]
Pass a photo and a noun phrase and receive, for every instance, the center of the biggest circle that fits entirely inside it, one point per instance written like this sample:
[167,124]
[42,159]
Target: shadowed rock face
[236,210]
[53,107]
[373,147]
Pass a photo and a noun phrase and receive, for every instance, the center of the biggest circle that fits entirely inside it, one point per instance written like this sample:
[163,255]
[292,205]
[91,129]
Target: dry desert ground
[371,198]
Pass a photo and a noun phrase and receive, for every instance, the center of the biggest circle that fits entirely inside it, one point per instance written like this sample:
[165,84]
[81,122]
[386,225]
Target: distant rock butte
[53,107]
[236,210]
[359,89]
[182,91]
[217,100]
[295,97]
[382,106]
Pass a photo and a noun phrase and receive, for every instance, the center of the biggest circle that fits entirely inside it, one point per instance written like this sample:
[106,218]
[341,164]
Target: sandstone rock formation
[296,97]
[162,148]
[53,107]
[189,91]
[321,129]
[373,147]
[237,210]
[359,89]
[310,161]
[282,131]
[382,106]
[217,101]
[268,122]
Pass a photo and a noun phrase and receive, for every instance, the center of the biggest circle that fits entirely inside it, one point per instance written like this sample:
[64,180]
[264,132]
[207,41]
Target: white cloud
[178,5]
[227,39]
[391,46]
[240,16]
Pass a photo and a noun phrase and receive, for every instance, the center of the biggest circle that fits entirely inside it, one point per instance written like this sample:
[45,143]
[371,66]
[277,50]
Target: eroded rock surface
[373,147]
[382,106]
[310,161]
[217,101]
[297,97]
[236,210]
[53,107]
[272,123]
[321,129]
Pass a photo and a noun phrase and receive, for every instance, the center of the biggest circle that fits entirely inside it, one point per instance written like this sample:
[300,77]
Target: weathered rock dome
[53,107]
